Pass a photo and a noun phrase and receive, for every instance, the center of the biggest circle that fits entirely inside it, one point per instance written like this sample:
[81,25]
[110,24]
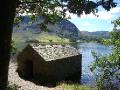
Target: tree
[6,23]
[45,8]
[107,68]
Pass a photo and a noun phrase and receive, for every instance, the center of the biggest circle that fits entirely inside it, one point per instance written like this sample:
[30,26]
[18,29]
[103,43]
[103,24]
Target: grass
[75,86]
[44,38]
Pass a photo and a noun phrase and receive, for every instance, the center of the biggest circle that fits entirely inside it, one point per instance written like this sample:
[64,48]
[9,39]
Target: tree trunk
[7,14]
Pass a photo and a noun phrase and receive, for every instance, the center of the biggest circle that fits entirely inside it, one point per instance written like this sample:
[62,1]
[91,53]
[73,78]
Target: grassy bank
[47,38]
[23,38]
[76,86]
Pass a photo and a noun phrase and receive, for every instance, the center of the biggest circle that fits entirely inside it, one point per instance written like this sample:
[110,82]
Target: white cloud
[88,16]
[104,15]
[115,10]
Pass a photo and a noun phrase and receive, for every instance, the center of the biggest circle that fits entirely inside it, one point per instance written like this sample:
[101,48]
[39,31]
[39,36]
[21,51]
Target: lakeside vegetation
[46,38]
[107,68]
[77,87]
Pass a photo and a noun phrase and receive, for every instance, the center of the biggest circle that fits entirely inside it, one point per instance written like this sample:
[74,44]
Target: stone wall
[57,70]
[48,70]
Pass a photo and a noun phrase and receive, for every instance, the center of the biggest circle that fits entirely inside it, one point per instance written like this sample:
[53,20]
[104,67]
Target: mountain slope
[104,34]
[95,36]
[64,28]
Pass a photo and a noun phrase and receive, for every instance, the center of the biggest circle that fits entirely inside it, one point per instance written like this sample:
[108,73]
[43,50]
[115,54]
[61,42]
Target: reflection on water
[85,49]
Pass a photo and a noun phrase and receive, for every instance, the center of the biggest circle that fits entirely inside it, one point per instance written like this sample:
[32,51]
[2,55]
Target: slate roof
[53,52]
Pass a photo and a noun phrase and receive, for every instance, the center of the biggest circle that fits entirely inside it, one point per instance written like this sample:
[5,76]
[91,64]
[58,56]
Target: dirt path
[23,84]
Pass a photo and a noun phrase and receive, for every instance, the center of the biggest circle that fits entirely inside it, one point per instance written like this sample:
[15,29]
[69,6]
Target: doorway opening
[28,68]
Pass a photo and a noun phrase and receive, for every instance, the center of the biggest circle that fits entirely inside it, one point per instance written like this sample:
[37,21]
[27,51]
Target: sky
[92,23]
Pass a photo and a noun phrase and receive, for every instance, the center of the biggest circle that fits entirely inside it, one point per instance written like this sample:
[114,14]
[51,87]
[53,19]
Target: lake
[85,49]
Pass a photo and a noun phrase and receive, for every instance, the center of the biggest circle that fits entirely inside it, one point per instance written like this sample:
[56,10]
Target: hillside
[64,28]
[94,36]
[104,34]
[29,30]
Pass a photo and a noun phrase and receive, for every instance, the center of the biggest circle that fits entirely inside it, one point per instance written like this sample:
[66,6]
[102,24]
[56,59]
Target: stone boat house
[49,63]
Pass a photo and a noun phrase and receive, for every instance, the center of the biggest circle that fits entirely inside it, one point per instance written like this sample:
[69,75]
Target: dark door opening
[28,69]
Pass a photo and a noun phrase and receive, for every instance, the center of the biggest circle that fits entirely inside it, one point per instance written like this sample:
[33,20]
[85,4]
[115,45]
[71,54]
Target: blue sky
[92,23]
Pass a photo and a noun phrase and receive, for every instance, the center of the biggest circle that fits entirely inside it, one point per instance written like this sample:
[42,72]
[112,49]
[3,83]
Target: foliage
[46,38]
[94,36]
[86,6]
[107,68]
[77,87]
[48,7]
[43,27]
[45,8]
[14,49]
[55,10]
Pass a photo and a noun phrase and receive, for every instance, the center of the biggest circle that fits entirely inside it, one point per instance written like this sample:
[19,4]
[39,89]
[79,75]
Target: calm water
[85,49]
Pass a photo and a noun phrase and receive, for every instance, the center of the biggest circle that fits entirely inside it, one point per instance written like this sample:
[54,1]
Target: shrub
[107,68]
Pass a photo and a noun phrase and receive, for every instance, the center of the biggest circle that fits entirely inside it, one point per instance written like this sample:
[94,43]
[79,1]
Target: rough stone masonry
[49,63]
